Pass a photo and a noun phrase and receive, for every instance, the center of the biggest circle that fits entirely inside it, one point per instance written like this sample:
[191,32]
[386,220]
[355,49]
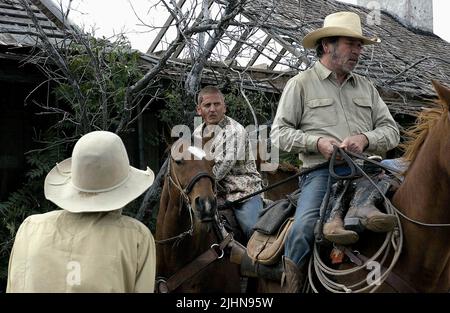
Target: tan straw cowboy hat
[346,24]
[98,177]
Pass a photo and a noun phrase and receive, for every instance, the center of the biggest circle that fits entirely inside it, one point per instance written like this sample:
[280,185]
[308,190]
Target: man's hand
[355,143]
[325,146]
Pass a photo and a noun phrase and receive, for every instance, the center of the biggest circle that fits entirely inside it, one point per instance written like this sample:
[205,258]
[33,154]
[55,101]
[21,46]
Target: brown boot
[333,229]
[363,212]
[294,276]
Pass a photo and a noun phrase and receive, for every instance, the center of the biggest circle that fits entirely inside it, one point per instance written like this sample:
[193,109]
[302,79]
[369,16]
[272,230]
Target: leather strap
[393,280]
[196,178]
[193,268]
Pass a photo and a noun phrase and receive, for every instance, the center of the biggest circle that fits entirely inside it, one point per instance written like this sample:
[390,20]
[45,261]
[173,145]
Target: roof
[271,32]
[262,48]
[17,28]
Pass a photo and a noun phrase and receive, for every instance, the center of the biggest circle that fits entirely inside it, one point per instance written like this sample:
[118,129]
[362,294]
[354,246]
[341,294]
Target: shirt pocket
[319,113]
[363,112]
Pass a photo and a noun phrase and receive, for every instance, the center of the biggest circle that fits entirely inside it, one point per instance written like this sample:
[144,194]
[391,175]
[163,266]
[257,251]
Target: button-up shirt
[314,105]
[61,251]
[235,167]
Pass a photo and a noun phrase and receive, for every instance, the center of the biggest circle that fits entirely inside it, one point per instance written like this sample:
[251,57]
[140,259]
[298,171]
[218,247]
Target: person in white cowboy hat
[89,246]
[323,106]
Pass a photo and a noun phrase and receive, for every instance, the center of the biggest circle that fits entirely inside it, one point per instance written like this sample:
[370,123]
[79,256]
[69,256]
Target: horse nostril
[197,202]
[204,208]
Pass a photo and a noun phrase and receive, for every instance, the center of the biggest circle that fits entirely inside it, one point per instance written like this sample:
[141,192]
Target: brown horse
[283,171]
[424,196]
[187,245]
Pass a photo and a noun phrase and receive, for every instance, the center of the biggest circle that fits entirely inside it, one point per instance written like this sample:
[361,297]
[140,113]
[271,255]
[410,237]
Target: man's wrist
[317,144]
[366,145]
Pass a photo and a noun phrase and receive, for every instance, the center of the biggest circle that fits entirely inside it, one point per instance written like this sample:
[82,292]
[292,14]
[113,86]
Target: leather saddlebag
[267,249]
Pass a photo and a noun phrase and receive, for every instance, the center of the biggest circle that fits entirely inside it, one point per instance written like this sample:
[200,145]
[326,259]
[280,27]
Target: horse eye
[179,162]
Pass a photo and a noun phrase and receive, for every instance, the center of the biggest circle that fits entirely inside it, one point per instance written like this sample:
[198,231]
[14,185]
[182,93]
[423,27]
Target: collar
[324,72]
[222,124]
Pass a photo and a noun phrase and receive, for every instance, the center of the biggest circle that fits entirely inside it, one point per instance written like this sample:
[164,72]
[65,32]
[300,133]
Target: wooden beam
[240,42]
[259,50]
[164,29]
[277,59]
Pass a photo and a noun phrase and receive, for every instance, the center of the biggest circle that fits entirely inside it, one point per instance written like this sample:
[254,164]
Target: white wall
[415,13]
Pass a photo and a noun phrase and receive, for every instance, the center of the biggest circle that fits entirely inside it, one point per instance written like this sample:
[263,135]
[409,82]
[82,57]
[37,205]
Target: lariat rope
[393,240]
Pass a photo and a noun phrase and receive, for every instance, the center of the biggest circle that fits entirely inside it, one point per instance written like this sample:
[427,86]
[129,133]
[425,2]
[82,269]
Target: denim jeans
[301,235]
[247,214]
[396,164]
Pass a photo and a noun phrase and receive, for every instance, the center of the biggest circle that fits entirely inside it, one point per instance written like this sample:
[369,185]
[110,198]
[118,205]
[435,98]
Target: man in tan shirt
[324,106]
[89,246]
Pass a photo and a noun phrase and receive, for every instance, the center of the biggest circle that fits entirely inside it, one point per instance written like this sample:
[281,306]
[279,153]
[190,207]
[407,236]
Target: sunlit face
[212,108]
[345,54]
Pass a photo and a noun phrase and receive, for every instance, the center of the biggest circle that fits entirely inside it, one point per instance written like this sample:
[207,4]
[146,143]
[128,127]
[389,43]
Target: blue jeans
[397,164]
[301,235]
[247,214]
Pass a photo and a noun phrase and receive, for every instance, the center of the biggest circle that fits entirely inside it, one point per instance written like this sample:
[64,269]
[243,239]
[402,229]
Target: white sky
[109,17]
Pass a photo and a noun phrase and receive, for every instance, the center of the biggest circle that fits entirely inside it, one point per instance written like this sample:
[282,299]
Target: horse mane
[416,135]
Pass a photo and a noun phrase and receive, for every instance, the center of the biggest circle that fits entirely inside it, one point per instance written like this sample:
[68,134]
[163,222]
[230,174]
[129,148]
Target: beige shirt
[235,166]
[314,105]
[61,251]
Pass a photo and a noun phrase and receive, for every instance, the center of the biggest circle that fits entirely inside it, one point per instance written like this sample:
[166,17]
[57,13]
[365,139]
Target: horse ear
[442,91]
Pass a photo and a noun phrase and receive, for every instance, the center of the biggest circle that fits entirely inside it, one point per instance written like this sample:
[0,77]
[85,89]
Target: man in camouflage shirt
[234,171]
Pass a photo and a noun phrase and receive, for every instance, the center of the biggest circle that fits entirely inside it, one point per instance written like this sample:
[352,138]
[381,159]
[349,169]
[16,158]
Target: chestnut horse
[424,196]
[189,258]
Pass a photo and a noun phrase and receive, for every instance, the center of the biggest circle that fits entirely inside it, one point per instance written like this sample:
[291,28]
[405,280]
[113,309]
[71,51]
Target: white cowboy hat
[97,178]
[346,24]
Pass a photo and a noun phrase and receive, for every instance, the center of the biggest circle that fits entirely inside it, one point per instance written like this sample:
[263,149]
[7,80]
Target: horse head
[190,171]
[185,228]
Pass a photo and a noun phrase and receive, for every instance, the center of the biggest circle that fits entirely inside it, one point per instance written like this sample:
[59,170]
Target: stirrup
[355,224]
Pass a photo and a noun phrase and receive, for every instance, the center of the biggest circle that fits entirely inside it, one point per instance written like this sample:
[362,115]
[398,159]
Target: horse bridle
[187,190]
[184,194]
